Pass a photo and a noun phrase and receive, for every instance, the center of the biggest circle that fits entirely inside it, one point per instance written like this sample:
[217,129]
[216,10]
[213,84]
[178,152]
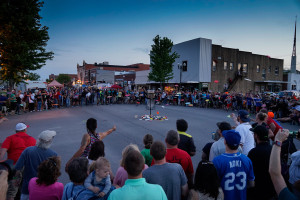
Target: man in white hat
[31,158]
[14,145]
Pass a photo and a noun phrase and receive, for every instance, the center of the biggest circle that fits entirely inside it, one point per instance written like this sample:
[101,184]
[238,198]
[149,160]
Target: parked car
[289,93]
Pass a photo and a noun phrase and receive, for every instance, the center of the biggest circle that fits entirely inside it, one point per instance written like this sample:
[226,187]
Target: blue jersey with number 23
[234,171]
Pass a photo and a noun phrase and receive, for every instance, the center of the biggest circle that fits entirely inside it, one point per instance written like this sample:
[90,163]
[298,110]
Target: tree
[22,39]
[63,78]
[32,76]
[162,60]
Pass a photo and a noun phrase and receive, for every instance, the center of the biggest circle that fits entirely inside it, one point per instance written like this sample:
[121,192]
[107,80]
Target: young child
[99,180]
[148,140]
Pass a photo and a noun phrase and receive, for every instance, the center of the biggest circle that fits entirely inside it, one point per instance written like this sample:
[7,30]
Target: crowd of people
[18,102]
[246,161]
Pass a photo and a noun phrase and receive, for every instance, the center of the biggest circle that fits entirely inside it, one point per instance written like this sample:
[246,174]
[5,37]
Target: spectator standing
[234,169]
[13,101]
[260,157]
[31,99]
[121,174]
[90,138]
[148,140]
[186,141]
[136,187]
[31,158]
[45,185]
[206,184]
[168,175]
[247,138]
[78,172]
[218,147]
[3,100]
[176,155]
[14,145]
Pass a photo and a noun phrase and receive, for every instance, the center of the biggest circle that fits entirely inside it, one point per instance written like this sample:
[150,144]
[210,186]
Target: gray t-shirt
[170,176]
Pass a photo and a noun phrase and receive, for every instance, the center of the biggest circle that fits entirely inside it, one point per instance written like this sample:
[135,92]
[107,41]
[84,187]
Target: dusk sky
[121,31]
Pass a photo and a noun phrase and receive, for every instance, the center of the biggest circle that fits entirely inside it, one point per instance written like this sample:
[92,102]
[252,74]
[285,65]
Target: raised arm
[274,165]
[104,134]
[84,143]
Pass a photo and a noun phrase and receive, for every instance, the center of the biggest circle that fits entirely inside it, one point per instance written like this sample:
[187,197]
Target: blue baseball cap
[244,115]
[232,137]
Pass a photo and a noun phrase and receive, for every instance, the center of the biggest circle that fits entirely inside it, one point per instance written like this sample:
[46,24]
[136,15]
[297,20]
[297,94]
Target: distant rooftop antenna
[293,60]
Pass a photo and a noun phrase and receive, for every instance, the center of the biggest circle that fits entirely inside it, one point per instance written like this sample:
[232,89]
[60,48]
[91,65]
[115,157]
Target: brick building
[212,67]
[243,71]
[88,73]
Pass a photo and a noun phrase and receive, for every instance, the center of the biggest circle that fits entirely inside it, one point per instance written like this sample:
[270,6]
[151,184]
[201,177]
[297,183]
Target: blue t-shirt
[249,101]
[258,102]
[234,171]
[3,98]
[30,159]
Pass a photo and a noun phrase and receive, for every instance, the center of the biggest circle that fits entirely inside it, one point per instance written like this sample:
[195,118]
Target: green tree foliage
[63,79]
[22,39]
[162,60]
[32,76]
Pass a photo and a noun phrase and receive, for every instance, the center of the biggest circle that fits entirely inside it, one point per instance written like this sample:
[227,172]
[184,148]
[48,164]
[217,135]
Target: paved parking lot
[69,123]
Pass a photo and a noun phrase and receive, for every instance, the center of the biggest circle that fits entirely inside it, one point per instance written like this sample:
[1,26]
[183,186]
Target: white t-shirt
[247,138]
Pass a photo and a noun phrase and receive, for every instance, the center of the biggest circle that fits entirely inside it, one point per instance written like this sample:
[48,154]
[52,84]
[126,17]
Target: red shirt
[270,121]
[181,157]
[16,143]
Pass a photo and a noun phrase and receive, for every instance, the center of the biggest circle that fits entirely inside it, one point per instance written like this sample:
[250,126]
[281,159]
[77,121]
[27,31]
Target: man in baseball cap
[14,145]
[234,164]
[247,139]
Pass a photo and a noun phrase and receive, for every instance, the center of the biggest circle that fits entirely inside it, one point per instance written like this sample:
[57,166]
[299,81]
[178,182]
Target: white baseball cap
[21,126]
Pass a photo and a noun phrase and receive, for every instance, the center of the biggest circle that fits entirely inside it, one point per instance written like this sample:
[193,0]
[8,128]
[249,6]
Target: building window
[239,66]
[225,65]
[269,69]
[245,68]
[276,70]
[231,66]
[263,74]
[214,67]
[258,68]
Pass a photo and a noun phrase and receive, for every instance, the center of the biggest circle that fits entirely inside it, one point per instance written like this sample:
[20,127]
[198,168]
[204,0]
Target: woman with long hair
[45,185]
[89,139]
[206,184]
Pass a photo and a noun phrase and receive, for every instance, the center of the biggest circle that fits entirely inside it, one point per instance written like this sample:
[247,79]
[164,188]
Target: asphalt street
[69,123]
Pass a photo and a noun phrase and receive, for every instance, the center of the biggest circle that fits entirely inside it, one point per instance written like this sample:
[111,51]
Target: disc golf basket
[151,102]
